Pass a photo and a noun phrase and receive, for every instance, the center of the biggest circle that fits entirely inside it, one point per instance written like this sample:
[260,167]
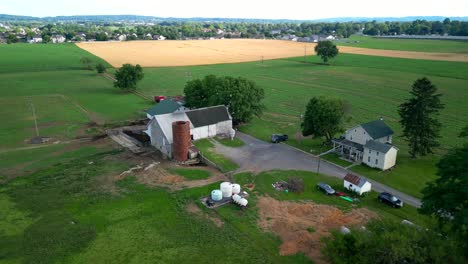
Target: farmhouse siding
[159,139]
[358,134]
[390,159]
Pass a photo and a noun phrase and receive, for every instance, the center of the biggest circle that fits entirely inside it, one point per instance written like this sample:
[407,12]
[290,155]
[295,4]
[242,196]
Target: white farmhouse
[356,184]
[58,39]
[369,143]
[204,123]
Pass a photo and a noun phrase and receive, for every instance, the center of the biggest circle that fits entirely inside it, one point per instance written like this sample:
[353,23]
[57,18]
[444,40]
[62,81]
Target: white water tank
[236,188]
[226,189]
[243,202]
[236,198]
[216,195]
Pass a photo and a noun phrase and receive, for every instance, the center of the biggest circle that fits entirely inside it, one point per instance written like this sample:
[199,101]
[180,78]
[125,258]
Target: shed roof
[208,115]
[164,107]
[354,179]
[378,146]
[377,129]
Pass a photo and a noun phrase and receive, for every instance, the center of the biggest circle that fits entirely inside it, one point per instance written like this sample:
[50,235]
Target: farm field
[204,52]
[422,45]
[65,97]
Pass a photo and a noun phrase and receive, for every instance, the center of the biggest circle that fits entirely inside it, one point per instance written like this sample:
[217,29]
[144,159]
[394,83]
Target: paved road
[257,155]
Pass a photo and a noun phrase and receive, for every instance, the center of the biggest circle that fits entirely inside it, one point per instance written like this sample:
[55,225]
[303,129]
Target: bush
[296,185]
[101,68]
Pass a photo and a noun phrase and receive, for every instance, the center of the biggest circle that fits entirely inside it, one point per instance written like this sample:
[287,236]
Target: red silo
[181,140]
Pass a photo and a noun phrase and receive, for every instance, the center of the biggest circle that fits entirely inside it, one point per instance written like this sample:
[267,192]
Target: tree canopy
[323,117]
[391,242]
[418,118]
[242,96]
[446,198]
[326,50]
[128,76]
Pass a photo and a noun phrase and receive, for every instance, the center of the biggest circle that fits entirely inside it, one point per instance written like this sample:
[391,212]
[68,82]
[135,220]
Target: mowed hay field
[203,52]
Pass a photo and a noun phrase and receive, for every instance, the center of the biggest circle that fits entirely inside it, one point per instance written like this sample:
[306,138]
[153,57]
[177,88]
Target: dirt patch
[194,209]
[291,221]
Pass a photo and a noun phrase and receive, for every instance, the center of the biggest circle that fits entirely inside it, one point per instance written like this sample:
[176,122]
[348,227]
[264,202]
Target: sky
[266,9]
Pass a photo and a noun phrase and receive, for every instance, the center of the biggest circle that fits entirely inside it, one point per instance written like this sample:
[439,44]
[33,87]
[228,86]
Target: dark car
[325,188]
[277,138]
[390,199]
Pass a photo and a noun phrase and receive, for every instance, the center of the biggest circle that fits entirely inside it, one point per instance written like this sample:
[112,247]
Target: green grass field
[422,45]
[65,95]
[206,148]
[61,215]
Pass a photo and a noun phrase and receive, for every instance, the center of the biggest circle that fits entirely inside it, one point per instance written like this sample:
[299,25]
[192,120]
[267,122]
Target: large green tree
[326,50]
[446,198]
[128,76]
[419,118]
[242,96]
[391,242]
[323,117]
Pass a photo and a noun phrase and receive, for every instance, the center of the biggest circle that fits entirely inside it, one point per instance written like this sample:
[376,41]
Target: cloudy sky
[290,9]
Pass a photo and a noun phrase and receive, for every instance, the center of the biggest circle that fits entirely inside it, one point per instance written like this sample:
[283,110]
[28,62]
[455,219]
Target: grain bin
[181,140]
[226,189]
[216,195]
[236,188]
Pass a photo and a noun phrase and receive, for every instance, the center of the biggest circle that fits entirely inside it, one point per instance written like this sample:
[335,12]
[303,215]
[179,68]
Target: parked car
[390,199]
[277,138]
[325,188]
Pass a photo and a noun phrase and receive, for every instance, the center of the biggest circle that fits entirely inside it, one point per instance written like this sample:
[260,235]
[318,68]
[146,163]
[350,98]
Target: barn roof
[354,179]
[164,107]
[208,115]
[377,129]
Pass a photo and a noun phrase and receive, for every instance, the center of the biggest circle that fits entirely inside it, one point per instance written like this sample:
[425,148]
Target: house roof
[354,179]
[208,115]
[377,129]
[164,107]
[378,146]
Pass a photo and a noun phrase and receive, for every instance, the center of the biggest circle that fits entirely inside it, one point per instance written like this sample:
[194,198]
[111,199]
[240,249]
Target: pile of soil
[291,221]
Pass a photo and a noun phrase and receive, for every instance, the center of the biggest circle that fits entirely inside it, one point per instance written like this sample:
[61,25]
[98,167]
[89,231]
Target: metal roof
[377,129]
[164,107]
[354,179]
[378,146]
[349,143]
[208,115]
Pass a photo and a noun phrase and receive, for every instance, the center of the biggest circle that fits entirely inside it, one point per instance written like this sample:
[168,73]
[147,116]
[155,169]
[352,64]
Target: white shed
[357,184]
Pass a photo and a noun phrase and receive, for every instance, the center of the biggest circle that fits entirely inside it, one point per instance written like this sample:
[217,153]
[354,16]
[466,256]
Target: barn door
[211,130]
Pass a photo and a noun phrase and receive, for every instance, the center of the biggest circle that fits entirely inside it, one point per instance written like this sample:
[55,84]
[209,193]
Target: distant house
[165,107]
[159,37]
[356,184]
[58,39]
[35,39]
[204,123]
[122,37]
[276,32]
[369,143]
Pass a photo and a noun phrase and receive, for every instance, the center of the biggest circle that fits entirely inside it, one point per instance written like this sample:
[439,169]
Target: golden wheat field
[201,52]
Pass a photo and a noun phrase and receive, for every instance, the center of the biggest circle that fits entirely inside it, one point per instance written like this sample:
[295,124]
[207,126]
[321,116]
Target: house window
[376,161]
[355,130]
[377,153]
[351,138]
[370,151]
[368,159]
[388,138]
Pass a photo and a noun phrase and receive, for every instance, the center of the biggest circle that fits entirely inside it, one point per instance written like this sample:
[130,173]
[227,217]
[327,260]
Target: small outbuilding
[357,184]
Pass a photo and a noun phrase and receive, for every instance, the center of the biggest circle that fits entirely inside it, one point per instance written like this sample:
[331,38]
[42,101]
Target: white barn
[204,123]
[356,184]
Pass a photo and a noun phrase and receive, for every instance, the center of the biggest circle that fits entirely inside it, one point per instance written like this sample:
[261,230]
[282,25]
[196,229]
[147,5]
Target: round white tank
[216,195]
[243,202]
[226,189]
[236,198]
[236,188]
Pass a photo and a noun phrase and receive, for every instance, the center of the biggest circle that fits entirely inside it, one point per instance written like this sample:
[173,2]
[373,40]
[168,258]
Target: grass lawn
[206,148]
[60,215]
[333,157]
[423,45]
[191,174]
[230,143]
[263,186]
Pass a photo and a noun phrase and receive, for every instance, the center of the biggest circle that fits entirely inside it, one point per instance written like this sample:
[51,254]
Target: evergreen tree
[418,118]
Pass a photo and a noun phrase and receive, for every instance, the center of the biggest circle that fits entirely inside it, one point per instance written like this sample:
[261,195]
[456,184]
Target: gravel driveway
[257,155]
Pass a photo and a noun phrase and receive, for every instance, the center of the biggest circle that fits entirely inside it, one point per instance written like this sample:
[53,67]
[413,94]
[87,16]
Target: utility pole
[262,59]
[305,53]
